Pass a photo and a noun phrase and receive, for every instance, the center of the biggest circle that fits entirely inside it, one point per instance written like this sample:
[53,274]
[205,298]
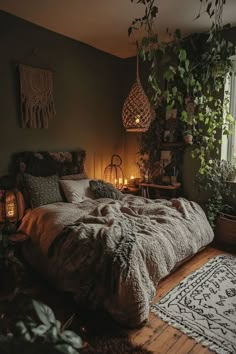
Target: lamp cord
[137,63]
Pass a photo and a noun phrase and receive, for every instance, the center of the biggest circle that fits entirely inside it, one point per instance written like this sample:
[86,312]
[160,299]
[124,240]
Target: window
[228,149]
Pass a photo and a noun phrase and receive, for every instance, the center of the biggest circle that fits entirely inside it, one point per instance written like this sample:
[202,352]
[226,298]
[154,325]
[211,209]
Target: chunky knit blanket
[115,253]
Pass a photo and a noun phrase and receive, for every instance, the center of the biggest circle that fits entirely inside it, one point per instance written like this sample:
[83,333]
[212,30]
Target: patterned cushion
[43,190]
[103,189]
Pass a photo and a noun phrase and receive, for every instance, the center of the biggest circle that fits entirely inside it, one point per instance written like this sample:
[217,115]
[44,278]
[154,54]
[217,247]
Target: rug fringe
[198,338]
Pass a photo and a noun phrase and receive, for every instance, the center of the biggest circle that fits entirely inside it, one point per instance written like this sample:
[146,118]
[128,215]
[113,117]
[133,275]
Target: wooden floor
[157,336]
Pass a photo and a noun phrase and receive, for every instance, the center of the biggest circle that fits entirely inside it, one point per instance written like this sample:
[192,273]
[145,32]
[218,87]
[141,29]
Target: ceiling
[103,24]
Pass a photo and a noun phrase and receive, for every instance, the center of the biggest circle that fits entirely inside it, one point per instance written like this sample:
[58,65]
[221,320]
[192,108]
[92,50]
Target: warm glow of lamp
[137,119]
[12,206]
[113,172]
[136,112]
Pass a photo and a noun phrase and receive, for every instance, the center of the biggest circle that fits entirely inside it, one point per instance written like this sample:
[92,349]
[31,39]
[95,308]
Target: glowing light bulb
[137,119]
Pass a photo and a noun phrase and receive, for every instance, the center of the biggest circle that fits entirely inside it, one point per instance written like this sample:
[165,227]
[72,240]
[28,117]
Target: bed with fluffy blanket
[112,253]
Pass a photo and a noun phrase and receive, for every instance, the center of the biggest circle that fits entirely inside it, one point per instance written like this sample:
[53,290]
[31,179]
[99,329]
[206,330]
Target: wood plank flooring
[157,336]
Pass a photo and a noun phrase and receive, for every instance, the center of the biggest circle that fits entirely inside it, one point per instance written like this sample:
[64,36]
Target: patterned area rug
[203,305]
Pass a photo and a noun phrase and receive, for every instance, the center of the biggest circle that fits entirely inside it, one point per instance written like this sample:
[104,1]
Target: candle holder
[113,173]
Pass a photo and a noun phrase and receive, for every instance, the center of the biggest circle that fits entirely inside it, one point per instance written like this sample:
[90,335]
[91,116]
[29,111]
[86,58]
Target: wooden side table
[145,187]
[130,190]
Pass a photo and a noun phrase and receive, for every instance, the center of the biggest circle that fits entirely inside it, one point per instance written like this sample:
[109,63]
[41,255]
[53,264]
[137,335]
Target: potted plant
[220,210]
[188,137]
[38,331]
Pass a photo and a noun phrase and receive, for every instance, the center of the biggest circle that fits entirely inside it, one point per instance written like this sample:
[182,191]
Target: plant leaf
[44,313]
[72,338]
[65,348]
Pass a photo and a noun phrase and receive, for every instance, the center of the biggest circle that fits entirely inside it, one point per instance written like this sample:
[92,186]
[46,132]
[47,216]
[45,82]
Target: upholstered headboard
[45,163]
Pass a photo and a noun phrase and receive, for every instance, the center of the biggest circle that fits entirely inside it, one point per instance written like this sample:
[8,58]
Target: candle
[120,181]
[132,177]
[125,182]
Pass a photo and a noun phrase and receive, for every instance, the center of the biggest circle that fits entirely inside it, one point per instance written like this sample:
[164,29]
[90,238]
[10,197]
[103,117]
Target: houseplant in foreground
[40,332]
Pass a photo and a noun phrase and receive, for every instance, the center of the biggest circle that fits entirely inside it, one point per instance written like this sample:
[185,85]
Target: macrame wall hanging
[136,113]
[37,104]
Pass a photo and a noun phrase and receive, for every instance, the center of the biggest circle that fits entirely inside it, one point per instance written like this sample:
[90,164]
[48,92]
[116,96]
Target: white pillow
[76,191]
[75,177]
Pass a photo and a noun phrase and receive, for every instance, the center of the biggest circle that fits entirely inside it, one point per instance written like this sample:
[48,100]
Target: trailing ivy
[195,74]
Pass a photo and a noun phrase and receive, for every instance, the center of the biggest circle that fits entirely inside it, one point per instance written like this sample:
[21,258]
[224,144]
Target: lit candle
[125,182]
[120,181]
[132,177]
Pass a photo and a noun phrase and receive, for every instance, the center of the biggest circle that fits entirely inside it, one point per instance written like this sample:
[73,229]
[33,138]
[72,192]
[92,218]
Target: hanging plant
[195,76]
[148,46]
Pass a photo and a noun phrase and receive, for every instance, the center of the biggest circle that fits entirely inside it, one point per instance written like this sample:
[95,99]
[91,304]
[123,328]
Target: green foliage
[187,132]
[216,180]
[40,333]
[195,70]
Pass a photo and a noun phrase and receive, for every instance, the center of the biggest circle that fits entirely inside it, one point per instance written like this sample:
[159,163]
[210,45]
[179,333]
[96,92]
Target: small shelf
[173,145]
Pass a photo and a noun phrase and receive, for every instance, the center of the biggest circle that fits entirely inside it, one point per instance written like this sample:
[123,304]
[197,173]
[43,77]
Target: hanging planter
[113,172]
[136,113]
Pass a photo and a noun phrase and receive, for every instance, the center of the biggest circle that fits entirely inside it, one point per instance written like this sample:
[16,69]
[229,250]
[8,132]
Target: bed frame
[48,163]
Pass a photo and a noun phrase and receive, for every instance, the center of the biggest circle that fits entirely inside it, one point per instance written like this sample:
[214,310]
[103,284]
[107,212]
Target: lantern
[136,113]
[113,172]
[12,206]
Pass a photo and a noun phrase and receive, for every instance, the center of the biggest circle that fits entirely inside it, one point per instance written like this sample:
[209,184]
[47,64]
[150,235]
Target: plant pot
[188,139]
[226,230]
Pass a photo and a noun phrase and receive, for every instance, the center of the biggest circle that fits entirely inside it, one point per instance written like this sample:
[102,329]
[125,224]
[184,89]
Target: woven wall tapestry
[37,104]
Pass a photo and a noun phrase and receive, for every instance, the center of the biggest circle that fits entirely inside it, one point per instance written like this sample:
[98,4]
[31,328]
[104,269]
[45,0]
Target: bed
[110,253]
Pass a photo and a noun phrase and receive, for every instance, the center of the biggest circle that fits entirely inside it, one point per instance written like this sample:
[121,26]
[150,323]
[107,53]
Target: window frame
[228,146]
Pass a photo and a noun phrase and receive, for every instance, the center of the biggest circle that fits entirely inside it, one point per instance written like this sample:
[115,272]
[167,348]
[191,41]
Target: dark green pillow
[101,189]
[43,190]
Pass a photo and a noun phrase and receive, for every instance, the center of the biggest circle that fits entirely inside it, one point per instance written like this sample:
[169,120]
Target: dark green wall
[87,92]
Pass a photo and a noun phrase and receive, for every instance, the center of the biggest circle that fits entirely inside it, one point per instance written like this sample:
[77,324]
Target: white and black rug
[203,305]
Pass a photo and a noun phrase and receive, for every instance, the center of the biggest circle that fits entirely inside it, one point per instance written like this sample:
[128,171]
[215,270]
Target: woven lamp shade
[136,113]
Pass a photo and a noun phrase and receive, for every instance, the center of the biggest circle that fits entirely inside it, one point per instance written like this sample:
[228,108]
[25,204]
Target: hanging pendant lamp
[136,113]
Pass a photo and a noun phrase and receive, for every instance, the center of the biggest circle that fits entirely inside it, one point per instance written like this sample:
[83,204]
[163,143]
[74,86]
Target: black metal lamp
[113,173]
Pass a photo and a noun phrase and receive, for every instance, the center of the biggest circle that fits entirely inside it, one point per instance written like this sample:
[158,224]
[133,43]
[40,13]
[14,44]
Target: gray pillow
[43,190]
[103,189]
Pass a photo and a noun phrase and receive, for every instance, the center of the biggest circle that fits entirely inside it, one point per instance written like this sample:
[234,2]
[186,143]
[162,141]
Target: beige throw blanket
[114,255]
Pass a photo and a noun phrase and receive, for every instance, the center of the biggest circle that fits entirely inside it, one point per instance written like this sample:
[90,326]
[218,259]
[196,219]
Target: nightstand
[169,190]
[130,190]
